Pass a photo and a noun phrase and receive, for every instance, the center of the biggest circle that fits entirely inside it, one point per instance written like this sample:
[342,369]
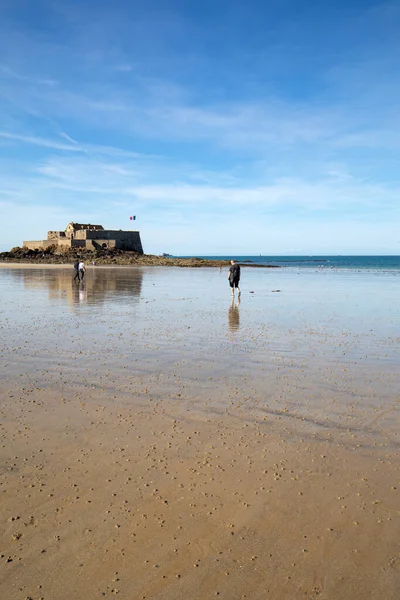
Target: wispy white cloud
[68,137]
[74,146]
[37,141]
[6,71]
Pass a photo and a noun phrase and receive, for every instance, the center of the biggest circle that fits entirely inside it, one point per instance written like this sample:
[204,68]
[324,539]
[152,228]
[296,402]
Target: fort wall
[40,244]
[97,244]
[121,240]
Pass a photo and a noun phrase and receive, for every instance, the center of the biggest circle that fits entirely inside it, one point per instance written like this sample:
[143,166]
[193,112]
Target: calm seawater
[389,263]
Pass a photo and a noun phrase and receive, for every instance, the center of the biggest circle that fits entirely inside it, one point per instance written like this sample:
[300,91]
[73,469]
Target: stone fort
[89,237]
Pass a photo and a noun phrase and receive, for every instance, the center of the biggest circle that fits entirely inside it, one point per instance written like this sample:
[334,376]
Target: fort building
[88,237]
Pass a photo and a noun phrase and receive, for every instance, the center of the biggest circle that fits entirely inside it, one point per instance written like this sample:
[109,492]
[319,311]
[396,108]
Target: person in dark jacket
[76,268]
[234,277]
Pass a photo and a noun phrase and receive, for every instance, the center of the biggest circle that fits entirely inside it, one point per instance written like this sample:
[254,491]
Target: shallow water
[318,348]
[373,263]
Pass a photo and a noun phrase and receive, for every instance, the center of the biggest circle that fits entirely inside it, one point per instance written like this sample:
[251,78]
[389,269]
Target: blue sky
[225,127]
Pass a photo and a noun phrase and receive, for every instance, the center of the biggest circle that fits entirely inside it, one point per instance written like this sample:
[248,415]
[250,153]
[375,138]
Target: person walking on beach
[234,277]
[76,268]
[82,269]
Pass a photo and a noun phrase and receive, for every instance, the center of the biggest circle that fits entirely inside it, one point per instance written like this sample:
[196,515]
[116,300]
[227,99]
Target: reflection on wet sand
[99,285]
[234,316]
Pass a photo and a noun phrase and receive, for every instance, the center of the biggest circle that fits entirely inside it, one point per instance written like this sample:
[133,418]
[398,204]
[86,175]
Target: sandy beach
[160,442]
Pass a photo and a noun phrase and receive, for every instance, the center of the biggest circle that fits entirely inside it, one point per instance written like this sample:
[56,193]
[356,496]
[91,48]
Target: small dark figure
[234,277]
[76,268]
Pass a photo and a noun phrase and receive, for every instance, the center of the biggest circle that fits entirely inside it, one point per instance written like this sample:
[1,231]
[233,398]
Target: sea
[357,263]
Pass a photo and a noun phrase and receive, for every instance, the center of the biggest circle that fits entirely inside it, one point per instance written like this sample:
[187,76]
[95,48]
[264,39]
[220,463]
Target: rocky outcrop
[53,256]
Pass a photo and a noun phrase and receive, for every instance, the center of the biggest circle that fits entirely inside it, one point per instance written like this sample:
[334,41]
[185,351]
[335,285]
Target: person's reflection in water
[233,315]
[75,294]
[82,294]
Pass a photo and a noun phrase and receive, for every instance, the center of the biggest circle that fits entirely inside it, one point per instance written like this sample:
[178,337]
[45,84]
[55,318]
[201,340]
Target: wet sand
[159,442]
